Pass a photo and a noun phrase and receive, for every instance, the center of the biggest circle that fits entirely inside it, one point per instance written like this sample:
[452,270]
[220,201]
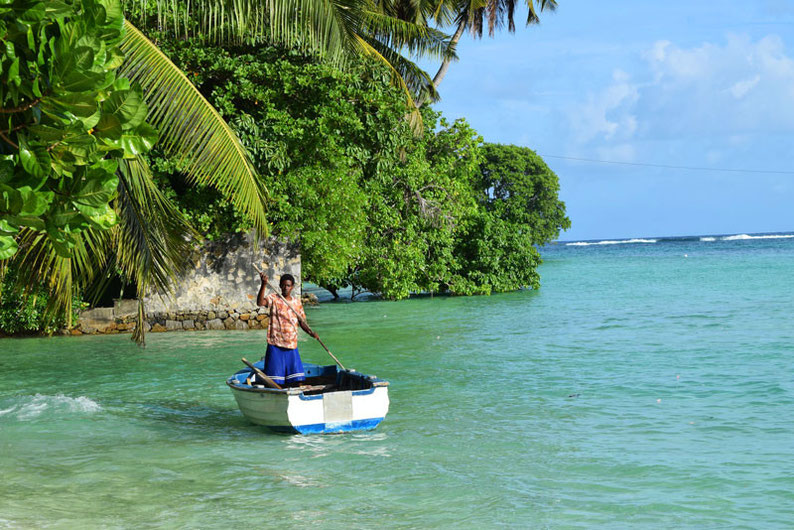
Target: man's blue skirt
[283,365]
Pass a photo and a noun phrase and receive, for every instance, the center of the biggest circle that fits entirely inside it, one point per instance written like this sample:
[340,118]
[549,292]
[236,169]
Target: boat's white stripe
[300,374]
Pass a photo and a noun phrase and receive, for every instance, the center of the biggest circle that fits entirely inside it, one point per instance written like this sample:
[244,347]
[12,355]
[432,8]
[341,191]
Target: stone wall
[123,317]
[224,277]
[219,293]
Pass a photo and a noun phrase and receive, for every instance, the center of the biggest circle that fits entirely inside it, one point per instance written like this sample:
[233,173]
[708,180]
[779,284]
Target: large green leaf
[127,106]
[31,13]
[82,104]
[138,141]
[6,229]
[103,217]
[93,198]
[34,203]
[8,247]
[109,128]
[35,159]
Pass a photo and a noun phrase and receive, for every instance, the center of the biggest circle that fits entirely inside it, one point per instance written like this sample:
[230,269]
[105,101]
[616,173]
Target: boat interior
[319,379]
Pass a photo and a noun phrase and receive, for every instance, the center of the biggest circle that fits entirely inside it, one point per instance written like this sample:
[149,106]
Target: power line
[664,166]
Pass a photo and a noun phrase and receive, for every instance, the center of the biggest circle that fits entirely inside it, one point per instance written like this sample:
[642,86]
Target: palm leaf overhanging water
[191,129]
[150,244]
[390,33]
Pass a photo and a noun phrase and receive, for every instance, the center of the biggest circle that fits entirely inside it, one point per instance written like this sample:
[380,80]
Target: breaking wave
[740,237]
[609,242]
[29,407]
[683,239]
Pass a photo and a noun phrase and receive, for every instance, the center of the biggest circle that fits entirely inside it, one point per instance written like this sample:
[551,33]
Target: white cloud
[733,90]
[741,88]
[607,114]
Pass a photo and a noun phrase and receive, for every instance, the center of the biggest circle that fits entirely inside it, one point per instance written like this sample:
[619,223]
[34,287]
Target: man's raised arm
[260,298]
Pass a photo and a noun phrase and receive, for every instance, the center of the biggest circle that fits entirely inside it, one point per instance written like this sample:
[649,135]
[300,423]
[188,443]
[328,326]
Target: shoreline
[121,319]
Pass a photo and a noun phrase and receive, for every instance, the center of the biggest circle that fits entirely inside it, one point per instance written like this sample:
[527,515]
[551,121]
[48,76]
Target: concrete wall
[218,293]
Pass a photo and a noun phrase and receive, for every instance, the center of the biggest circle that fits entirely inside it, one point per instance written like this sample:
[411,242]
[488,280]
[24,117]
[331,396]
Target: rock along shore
[122,318]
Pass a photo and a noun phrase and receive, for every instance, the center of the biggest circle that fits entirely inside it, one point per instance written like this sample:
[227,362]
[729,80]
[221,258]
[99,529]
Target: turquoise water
[645,385]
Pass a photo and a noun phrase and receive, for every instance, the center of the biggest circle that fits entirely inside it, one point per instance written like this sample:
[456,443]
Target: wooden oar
[301,319]
[260,373]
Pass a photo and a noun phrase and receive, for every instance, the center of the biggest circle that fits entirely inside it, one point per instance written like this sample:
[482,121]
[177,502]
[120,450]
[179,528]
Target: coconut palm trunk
[442,71]
[471,14]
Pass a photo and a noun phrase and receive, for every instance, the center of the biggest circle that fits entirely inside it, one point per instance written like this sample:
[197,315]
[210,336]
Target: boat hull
[297,411]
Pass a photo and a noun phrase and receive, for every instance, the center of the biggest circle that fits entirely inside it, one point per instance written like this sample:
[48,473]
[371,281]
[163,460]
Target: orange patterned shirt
[283,328]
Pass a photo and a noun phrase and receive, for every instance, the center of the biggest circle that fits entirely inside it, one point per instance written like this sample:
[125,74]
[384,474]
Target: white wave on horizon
[609,242]
[708,238]
[33,406]
[741,237]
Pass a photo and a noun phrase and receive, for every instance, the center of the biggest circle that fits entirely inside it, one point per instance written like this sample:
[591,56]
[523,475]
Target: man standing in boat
[282,360]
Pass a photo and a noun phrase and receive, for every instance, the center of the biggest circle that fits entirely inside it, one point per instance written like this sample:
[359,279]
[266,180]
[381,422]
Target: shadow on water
[193,418]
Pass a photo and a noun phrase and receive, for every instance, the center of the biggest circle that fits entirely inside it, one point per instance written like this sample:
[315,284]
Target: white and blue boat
[331,400]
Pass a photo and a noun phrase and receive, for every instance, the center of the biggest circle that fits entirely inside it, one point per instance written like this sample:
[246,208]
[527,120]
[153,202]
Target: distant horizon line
[673,237]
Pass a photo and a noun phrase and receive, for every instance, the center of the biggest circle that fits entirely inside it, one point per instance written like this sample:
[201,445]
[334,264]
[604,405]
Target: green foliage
[192,131]
[519,209]
[371,204]
[393,35]
[311,131]
[27,313]
[517,186]
[417,205]
[66,119]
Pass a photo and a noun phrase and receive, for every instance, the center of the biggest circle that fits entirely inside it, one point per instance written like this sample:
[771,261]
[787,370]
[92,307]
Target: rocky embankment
[123,316]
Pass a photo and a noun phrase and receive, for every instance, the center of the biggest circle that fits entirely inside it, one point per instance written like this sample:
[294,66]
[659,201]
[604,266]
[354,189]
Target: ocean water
[647,384]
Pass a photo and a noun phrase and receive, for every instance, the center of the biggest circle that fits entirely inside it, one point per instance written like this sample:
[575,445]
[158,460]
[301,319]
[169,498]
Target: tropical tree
[337,31]
[519,210]
[69,121]
[69,239]
[474,15]
[82,92]
[372,205]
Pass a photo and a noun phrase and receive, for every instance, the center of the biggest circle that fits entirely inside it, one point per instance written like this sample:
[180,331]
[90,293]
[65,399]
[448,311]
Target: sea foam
[29,407]
[740,237]
[609,242]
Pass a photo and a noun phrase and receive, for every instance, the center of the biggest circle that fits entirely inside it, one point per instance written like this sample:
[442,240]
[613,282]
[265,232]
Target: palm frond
[191,129]
[532,16]
[417,39]
[153,242]
[38,263]
[310,25]
[315,26]
[151,246]
[414,81]
[423,88]
[501,12]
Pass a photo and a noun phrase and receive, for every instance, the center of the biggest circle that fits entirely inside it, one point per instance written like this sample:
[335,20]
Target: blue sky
[698,84]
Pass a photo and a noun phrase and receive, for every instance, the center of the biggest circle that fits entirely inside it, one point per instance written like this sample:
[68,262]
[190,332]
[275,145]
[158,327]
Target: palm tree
[338,30]
[474,15]
[151,243]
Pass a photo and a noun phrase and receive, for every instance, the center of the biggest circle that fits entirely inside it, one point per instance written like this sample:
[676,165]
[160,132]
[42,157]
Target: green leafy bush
[22,313]
[372,204]
[66,118]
